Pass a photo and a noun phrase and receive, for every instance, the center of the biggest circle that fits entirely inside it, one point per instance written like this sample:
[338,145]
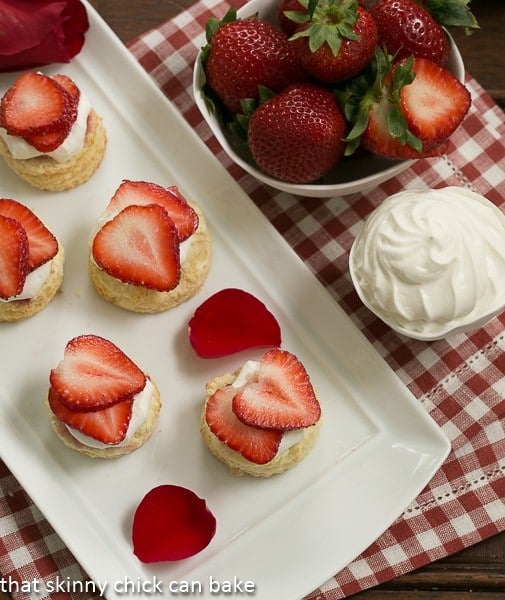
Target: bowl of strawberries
[325,98]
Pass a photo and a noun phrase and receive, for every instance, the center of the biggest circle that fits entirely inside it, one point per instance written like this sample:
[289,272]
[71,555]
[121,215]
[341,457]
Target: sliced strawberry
[108,425]
[42,245]
[378,139]
[255,444]
[95,374]
[282,398]
[171,523]
[69,85]
[13,257]
[142,192]
[229,321]
[435,103]
[140,246]
[36,104]
[47,142]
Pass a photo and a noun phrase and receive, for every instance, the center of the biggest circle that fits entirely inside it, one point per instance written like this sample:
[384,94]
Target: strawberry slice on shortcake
[100,402]
[150,249]
[31,262]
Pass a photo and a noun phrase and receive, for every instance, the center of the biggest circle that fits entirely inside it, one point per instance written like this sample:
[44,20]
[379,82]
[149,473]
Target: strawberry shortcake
[50,135]
[263,418]
[150,250]
[31,262]
[100,402]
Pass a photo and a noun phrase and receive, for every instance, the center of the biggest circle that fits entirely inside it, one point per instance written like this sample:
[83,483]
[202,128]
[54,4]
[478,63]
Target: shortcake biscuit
[50,135]
[45,173]
[136,441]
[111,274]
[253,437]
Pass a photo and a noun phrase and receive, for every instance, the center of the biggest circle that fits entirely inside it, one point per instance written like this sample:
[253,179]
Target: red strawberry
[171,523]
[36,104]
[69,85]
[142,193]
[107,425]
[379,120]
[336,40]
[255,444]
[229,321]
[435,103]
[378,139]
[289,6]
[407,28]
[140,246]
[47,142]
[42,245]
[297,135]
[95,374]
[242,54]
[281,398]
[13,257]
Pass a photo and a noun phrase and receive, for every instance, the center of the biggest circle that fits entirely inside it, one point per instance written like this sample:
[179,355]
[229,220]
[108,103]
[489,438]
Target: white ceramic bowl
[359,175]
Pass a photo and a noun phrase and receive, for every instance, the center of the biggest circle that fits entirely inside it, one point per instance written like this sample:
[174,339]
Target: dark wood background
[477,573]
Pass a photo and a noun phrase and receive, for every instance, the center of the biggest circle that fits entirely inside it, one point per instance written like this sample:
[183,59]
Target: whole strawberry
[335,40]
[245,53]
[406,28]
[297,135]
[287,17]
[284,10]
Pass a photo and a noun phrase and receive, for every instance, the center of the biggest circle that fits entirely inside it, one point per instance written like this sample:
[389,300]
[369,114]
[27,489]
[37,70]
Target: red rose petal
[75,24]
[40,32]
[171,523]
[230,321]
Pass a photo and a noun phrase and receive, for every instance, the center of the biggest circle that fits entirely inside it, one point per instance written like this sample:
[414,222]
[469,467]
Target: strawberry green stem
[328,22]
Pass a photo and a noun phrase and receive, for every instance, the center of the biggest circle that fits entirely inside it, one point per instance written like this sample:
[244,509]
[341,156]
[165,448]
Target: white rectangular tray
[377,450]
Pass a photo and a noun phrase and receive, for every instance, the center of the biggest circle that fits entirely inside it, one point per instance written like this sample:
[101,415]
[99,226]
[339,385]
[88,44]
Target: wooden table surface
[477,573]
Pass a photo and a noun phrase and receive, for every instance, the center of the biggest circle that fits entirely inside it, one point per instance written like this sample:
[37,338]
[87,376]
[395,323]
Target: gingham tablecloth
[460,381]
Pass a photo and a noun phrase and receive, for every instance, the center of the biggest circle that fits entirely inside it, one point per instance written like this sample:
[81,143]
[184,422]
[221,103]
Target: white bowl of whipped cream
[431,263]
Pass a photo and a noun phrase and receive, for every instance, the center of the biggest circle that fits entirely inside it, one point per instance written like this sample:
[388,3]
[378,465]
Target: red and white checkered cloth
[459,381]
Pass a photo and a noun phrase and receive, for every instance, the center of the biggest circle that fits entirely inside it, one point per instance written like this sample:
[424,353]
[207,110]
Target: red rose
[40,32]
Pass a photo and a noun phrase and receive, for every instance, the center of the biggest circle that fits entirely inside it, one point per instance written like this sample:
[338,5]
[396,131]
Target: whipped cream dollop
[74,142]
[140,411]
[431,261]
[33,283]
[247,374]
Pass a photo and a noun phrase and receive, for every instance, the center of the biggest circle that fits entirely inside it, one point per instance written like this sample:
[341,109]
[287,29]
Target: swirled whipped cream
[71,145]
[429,262]
[140,411]
[247,374]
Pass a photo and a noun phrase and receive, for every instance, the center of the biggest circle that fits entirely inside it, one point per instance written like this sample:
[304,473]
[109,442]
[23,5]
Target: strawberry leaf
[214,24]
[452,13]
[240,122]
[297,16]
[311,6]
[358,95]
[328,22]
[403,75]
